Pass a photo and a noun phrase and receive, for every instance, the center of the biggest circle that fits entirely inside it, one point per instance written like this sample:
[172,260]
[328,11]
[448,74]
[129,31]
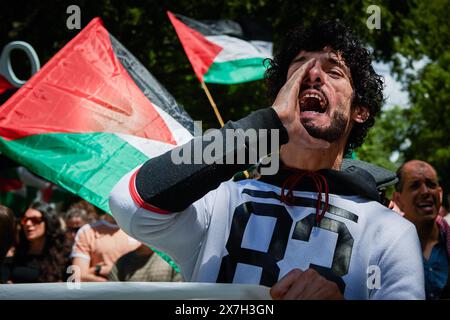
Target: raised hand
[305,285]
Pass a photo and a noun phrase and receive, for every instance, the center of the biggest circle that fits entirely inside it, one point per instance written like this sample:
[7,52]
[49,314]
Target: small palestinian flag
[89,116]
[218,52]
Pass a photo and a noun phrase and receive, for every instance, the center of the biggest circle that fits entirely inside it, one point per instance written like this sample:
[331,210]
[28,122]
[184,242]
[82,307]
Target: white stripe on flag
[180,133]
[234,49]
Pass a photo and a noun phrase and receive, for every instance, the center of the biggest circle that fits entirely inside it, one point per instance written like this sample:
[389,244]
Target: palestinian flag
[220,51]
[89,116]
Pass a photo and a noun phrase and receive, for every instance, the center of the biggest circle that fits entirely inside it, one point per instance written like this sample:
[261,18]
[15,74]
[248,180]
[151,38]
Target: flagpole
[213,104]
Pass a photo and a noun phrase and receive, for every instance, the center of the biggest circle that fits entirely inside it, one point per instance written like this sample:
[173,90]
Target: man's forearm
[92,278]
[173,187]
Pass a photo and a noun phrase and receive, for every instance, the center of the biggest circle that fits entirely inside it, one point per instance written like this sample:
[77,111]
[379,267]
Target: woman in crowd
[42,254]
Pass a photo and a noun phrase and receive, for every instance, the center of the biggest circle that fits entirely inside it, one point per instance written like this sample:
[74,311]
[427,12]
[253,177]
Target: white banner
[133,291]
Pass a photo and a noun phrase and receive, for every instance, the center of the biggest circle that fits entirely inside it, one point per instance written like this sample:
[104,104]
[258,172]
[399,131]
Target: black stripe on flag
[151,88]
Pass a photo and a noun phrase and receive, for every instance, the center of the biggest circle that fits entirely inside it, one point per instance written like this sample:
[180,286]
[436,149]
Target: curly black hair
[367,84]
[56,250]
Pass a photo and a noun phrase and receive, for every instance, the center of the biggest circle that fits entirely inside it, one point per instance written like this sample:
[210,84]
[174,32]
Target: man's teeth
[313,95]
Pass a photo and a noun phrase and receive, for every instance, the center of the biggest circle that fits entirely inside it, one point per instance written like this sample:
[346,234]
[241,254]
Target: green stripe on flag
[235,71]
[87,164]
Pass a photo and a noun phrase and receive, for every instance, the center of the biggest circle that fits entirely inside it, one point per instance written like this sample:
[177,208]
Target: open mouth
[313,100]
[425,205]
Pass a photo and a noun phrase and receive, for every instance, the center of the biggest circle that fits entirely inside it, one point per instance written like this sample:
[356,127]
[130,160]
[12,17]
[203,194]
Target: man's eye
[431,185]
[335,73]
[414,185]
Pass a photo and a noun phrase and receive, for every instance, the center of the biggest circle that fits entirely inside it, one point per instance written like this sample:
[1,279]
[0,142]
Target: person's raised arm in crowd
[98,246]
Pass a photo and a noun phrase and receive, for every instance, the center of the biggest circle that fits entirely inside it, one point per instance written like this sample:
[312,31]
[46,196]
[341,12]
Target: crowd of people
[44,244]
[41,243]
[274,231]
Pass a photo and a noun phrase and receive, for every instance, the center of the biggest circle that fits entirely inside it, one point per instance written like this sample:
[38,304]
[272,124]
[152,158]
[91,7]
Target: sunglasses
[34,220]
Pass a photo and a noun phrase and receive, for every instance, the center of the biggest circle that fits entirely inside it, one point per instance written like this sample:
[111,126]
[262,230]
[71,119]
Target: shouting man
[310,231]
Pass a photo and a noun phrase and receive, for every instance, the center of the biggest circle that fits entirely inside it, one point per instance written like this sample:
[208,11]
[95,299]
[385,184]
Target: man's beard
[331,133]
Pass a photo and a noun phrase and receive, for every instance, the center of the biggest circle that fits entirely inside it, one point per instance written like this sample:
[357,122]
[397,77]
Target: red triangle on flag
[4,84]
[83,88]
[199,50]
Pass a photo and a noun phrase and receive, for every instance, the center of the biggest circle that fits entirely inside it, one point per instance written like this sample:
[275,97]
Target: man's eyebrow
[338,63]
[331,60]
[341,64]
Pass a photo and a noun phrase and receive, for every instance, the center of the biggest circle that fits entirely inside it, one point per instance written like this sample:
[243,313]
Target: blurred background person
[418,195]
[393,206]
[143,264]
[42,255]
[445,209]
[76,217]
[98,246]
[7,237]
[79,203]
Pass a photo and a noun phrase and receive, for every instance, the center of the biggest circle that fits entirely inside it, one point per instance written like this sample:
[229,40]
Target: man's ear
[396,198]
[396,203]
[360,114]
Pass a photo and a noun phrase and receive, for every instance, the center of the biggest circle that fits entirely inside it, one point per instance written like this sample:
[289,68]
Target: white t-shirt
[242,233]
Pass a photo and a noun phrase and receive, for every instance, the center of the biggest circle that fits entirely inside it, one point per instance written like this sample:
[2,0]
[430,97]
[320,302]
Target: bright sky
[393,92]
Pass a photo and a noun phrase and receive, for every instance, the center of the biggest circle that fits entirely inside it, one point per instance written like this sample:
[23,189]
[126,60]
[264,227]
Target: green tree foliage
[386,136]
[424,123]
[430,123]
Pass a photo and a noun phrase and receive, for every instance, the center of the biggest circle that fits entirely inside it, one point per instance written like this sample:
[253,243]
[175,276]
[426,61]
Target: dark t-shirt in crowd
[26,269]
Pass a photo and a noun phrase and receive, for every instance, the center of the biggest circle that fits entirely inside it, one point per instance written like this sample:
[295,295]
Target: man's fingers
[330,293]
[303,286]
[280,288]
[295,79]
[307,284]
[293,105]
[294,84]
[299,74]
[297,289]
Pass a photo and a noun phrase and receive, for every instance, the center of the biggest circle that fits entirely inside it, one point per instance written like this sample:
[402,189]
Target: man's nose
[424,190]
[314,75]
